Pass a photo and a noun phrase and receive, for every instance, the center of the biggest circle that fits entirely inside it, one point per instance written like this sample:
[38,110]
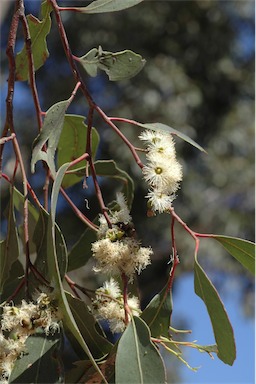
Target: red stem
[4,140]
[108,120]
[70,9]
[9,123]
[92,168]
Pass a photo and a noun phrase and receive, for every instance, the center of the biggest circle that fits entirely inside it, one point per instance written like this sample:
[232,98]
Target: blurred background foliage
[199,79]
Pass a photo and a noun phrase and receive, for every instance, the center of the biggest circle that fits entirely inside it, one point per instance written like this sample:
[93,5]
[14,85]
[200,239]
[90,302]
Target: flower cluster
[162,172]
[19,322]
[108,305]
[117,250]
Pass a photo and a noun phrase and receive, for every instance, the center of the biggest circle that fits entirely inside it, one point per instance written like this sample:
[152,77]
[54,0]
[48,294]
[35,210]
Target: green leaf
[80,253]
[118,66]
[9,248]
[41,363]
[138,360]
[158,312]
[37,224]
[90,62]
[222,328]
[15,275]
[207,348]
[40,240]
[75,374]
[242,250]
[51,131]
[38,32]
[98,345]
[108,168]
[68,319]
[101,6]
[166,128]
[72,145]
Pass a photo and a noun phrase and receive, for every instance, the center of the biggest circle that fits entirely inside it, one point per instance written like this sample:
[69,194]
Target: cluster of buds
[162,172]
[108,305]
[118,251]
[19,322]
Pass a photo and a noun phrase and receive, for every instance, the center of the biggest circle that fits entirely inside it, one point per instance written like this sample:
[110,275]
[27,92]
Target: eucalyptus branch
[31,70]
[11,79]
[4,140]
[108,120]
[9,124]
[68,53]
[189,230]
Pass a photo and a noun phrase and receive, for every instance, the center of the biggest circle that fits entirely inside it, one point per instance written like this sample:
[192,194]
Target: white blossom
[162,171]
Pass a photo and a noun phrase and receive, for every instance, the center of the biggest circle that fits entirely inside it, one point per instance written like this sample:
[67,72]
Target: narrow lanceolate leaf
[72,145]
[101,6]
[108,168]
[40,363]
[40,240]
[9,248]
[98,345]
[242,250]
[118,66]
[158,312]
[81,252]
[138,360]
[51,131]
[54,272]
[167,129]
[222,328]
[38,32]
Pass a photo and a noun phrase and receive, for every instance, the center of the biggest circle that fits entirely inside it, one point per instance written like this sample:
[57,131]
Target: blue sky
[187,305]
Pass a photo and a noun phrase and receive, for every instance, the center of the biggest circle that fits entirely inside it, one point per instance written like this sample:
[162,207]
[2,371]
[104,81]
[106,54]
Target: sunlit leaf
[72,145]
[138,360]
[9,248]
[98,345]
[40,363]
[222,328]
[90,62]
[167,129]
[207,348]
[101,6]
[118,66]
[242,250]
[38,32]
[51,131]
[158,312]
